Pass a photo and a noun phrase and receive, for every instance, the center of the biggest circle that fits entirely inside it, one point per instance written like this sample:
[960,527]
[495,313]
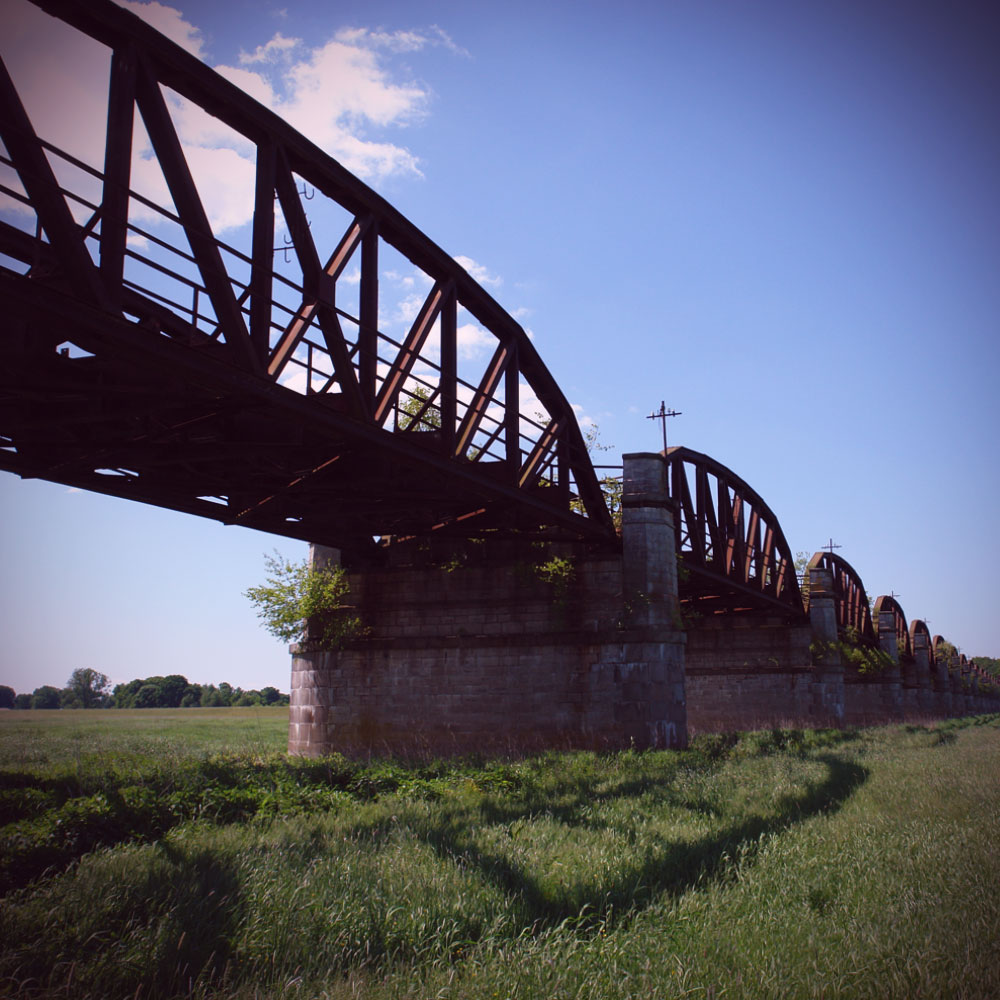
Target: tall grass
[781,864]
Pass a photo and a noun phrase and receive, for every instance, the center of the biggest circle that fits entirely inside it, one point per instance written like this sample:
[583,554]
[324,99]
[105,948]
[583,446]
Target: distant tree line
[88,688]
[988,663]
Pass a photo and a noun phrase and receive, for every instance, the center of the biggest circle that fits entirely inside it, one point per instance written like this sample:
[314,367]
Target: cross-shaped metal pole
[662,415]
[831,545]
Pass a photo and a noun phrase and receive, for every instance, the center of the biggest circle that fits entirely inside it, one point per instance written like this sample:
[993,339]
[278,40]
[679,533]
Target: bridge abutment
[892,676]
[506,644]
[828,668]
[918,692]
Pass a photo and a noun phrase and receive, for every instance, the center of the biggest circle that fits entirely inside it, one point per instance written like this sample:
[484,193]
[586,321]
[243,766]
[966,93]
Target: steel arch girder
[728,537]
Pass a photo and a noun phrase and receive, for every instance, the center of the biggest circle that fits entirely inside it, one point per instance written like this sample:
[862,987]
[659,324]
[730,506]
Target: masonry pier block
[506,644]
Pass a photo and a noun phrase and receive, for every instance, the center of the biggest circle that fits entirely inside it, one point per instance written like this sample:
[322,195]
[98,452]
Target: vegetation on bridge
[784,863]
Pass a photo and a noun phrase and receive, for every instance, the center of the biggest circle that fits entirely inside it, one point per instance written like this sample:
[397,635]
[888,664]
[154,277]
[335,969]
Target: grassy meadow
[181,854]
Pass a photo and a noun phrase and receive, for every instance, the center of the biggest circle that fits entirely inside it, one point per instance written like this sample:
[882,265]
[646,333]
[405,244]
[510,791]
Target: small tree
[6,696]
[87,688]
[416,413]
[300,601]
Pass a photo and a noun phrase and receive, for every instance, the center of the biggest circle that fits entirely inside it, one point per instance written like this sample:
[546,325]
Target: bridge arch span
[919,628]
[731,548]
[941,655]
[850,600]
[889,604]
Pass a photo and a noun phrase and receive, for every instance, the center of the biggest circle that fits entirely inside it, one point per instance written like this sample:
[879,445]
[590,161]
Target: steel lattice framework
[732,548]
[902,631]
[849,595]
[154,361]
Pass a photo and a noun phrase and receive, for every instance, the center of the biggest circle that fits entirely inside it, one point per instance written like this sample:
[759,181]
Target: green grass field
[169,854]
[35,738]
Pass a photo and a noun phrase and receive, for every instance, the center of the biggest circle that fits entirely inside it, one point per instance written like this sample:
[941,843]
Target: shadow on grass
[672,868]
[151,936]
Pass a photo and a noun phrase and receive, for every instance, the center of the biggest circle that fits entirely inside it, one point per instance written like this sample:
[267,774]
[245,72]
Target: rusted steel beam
[449,372]
[751,558]
[729,535]
[481,401]
[117,170]
[319,284]
[849,595]
[709,520]
[42,188]
[304,315]
[262,251]
[409,352]
[187,201]
[368,309]
[541,456]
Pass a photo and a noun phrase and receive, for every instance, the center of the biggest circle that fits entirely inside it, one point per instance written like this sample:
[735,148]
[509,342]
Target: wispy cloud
[345,94]
[276,49]
[401,41]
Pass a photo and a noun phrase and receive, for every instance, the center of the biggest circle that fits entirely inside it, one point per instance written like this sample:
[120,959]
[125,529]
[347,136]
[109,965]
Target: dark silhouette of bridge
[153,361]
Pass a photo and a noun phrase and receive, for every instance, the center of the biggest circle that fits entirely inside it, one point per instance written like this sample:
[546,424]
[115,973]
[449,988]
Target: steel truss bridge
[147,358]
[256,381]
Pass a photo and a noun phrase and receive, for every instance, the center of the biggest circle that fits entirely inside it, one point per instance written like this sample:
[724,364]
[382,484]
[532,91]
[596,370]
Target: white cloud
[408,307]
[337,94]
[474,342]
[170,22]
[279,47]
[478,271]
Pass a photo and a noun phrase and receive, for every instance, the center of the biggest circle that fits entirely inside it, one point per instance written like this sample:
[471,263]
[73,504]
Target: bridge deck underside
[138,415]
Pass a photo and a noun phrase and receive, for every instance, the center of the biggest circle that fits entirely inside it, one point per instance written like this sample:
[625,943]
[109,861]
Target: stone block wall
[478,649]
[871,700]
[749,673]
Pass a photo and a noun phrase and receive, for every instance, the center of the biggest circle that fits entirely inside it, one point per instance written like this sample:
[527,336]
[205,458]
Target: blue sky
[781,218]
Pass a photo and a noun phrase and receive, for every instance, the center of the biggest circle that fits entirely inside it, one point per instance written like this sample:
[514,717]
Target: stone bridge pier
[506,644]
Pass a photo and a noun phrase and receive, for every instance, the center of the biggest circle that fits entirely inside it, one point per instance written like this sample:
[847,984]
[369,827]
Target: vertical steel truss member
[889,603]
[187,405]
[730,542]
[849,596]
